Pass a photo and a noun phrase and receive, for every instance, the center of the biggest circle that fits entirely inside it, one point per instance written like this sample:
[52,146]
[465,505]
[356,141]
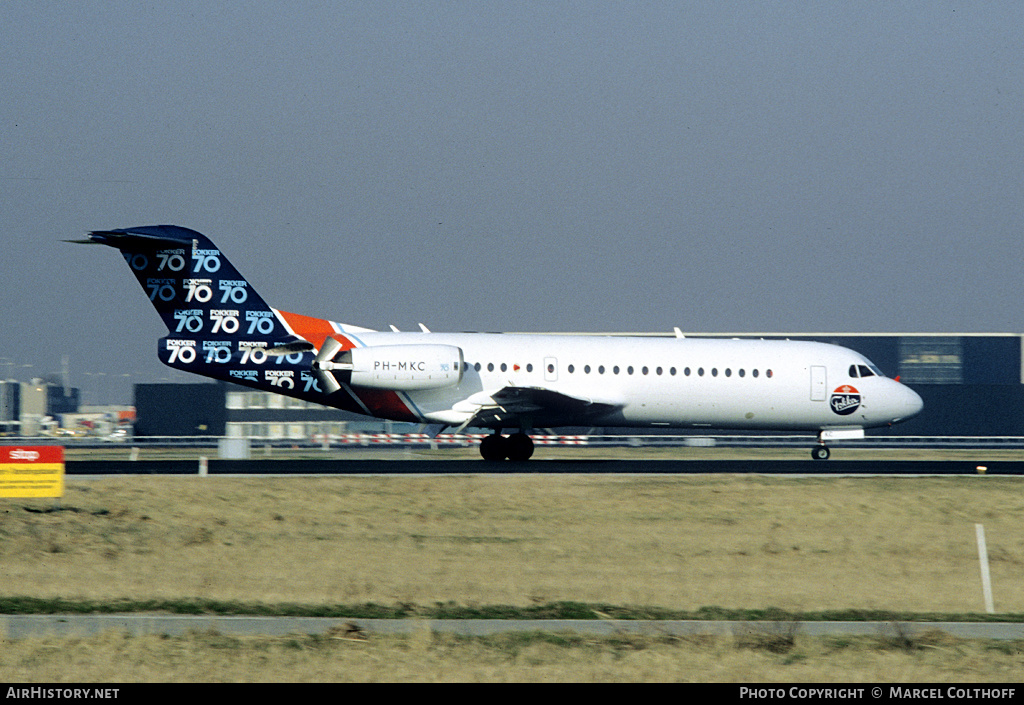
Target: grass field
[426,657]
[680,543]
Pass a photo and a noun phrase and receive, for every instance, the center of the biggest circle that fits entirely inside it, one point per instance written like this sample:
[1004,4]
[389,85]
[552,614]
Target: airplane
[220,327]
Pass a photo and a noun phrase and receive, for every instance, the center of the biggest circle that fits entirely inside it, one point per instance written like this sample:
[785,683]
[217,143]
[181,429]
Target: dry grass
[207,657]
[903,544]
[900,544]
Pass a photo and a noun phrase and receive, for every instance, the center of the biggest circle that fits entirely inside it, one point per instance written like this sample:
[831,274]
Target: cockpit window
[868,370]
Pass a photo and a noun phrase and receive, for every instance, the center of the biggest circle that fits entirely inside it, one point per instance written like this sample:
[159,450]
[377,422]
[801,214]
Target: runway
[399,466]
[24,626]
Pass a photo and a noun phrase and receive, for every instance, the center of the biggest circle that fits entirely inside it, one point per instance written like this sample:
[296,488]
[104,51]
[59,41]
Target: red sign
[31,454]
[31,471]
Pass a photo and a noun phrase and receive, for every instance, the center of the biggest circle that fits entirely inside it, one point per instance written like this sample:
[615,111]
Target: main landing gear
[821,452]
[518,447]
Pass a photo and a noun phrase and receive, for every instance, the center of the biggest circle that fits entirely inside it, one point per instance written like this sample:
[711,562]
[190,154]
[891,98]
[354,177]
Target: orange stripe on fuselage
[315,330]
[380,402]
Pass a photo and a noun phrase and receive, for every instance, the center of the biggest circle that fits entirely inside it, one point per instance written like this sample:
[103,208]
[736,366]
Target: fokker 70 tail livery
[220,327]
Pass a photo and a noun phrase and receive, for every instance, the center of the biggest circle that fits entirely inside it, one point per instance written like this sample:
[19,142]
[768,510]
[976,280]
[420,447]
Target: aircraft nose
[909,403]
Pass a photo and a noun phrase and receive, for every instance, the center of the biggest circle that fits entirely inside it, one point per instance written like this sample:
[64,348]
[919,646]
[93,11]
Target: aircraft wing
[534,407]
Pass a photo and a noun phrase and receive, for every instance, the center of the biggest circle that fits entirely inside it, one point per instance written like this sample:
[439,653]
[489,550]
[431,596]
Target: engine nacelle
[404,368]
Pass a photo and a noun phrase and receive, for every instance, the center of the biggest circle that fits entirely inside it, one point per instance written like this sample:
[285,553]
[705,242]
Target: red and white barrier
[444,439]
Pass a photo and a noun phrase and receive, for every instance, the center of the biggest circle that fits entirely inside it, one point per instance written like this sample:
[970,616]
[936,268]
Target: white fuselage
[673,382]
[220,327]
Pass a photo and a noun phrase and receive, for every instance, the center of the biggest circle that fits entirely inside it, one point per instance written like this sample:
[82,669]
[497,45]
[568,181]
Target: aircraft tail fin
[217,324]
[193,287]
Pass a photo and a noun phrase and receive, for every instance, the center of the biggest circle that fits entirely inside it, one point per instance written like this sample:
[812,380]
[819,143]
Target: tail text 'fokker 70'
[219,326]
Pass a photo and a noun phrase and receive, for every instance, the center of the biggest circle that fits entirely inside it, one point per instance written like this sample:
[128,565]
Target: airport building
[46,408]
[10,407]
[971,385]
[30,408]
[222,409]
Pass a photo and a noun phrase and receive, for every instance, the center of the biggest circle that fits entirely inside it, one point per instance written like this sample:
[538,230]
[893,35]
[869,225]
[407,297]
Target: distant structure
[44,407]
[31,408]
[221,409]
[180,409]
[10,407]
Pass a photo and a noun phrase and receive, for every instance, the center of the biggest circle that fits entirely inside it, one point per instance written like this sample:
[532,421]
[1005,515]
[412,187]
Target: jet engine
[404,368]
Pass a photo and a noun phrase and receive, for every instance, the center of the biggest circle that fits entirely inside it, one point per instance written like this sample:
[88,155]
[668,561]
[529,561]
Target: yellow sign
[31,471]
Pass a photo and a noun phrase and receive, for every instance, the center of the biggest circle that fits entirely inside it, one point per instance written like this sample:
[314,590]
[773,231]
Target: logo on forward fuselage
[845,400]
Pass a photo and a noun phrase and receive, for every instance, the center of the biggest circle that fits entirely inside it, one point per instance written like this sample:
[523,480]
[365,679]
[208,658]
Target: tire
[520,447]
[821,453]
[494,447]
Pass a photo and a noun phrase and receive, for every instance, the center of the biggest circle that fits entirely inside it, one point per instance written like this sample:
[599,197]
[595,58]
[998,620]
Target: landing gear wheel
[520,447]
[820,453]
[494,447]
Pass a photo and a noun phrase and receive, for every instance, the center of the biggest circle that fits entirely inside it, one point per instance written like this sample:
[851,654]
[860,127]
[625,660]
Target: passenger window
[571,369]
[728,372]
[658,371]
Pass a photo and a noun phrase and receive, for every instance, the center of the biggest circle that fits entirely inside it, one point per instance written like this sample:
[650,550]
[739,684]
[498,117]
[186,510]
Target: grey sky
[514,166]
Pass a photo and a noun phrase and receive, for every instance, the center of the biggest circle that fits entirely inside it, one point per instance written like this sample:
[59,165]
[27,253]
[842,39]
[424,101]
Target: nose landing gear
[850,433]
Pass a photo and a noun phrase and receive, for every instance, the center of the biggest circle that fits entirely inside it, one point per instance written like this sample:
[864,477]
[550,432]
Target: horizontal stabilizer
[124,239]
